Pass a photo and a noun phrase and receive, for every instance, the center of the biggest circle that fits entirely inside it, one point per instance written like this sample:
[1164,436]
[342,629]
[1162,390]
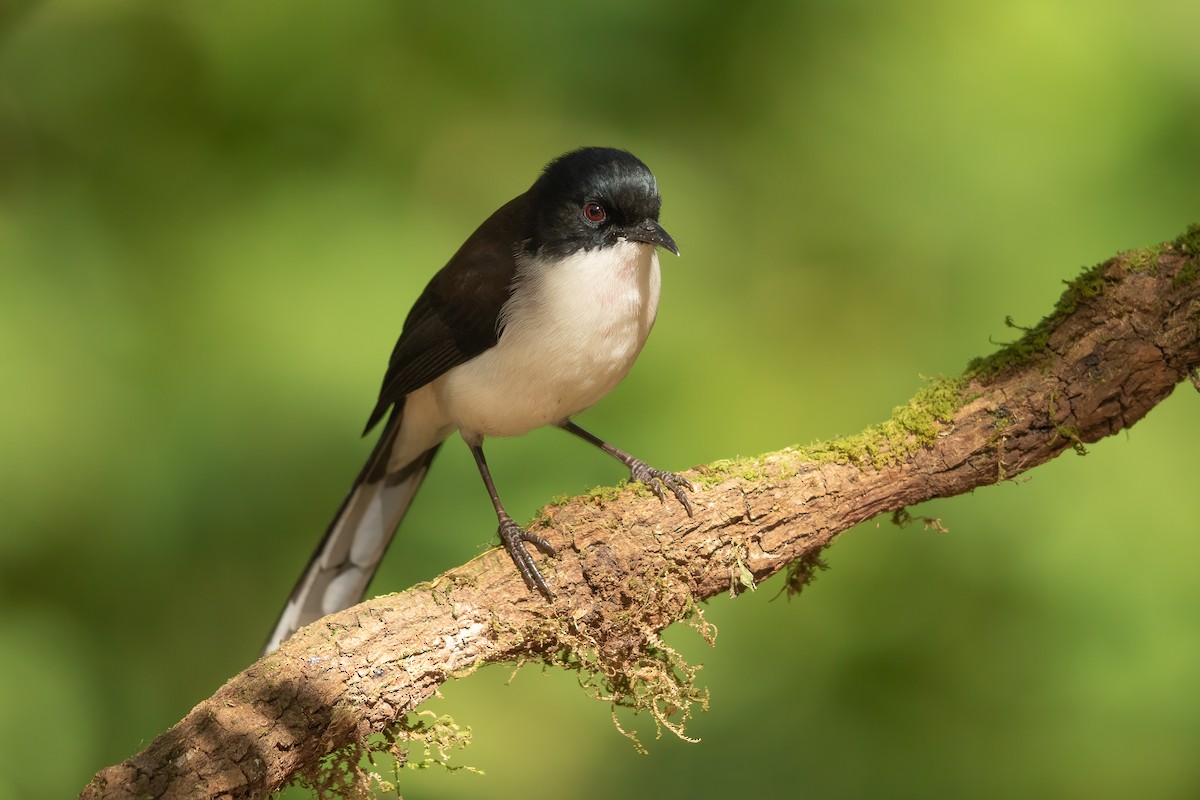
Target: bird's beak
[650,232]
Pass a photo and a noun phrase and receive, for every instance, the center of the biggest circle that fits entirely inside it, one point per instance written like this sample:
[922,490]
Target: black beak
[650,232]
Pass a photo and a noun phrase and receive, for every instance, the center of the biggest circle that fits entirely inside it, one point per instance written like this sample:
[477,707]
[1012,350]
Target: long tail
[349,554]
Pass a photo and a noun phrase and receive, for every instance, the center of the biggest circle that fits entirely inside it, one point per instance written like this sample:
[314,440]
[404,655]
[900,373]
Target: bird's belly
[561,358]
[508,394]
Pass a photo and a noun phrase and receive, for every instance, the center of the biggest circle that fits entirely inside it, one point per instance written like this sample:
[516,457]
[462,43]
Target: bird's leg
[512,535]
[639,470]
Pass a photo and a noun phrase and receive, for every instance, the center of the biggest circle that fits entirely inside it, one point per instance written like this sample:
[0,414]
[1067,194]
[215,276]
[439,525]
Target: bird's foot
[658,480]
[514,538]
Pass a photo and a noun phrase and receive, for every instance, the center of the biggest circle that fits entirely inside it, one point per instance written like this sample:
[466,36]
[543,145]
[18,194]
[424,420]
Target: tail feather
[349,554]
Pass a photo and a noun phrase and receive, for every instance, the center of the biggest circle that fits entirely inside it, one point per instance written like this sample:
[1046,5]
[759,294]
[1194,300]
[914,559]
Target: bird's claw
[658,479]
[514,537]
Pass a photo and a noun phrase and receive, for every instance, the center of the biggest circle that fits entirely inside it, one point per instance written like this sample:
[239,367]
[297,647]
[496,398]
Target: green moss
[636,670]
[723,469]
[416,741]
[1012,355]
[1068,432]
[1137,260]
[1188,242]
[1187,274]
[599,495]
[912,427]
[655,679]
[1090,283]
[1142,260]
[436,735]
[1032,345]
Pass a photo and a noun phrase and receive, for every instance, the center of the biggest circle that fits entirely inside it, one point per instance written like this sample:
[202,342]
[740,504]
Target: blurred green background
[214,216]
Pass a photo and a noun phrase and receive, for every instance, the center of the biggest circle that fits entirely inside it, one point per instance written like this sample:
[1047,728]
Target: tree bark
[1121,337]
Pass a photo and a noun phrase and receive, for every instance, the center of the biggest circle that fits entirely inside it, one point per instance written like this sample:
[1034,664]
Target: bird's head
[593,198]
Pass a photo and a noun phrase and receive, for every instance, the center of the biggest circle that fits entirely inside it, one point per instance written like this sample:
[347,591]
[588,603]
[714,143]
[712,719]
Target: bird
[537,316]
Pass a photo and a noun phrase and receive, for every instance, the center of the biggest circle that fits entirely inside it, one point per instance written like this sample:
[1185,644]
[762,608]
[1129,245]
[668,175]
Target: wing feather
[457,316]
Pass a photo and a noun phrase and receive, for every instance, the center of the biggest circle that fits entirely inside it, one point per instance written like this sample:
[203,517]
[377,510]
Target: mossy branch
[1121,337]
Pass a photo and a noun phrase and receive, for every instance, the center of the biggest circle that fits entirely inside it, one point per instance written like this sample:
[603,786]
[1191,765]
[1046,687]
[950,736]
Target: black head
[593,197]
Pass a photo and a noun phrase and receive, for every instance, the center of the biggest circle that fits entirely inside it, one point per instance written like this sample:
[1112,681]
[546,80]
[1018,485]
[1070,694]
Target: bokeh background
[214,216]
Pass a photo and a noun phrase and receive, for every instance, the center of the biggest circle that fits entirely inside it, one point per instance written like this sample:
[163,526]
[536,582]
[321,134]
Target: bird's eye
[594,212]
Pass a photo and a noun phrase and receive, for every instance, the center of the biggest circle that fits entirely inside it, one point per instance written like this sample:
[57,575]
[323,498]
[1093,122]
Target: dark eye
[594,212]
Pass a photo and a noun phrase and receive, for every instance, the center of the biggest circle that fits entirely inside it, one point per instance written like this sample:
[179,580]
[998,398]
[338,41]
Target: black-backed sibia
[539,314]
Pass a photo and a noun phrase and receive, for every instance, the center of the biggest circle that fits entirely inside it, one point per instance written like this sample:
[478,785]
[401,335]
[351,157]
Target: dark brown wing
[456,317]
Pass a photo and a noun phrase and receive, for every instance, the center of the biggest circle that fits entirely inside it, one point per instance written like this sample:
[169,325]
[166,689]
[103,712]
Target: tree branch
[1121,337]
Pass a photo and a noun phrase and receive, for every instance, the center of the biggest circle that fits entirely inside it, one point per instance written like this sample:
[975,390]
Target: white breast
[571,331]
